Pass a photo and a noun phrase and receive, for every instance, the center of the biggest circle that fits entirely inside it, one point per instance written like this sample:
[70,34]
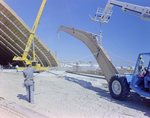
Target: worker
[140,65]
[2,67]
[29,82]
[17,68]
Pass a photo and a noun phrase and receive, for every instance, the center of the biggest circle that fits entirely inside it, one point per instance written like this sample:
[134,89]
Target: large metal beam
[97,50]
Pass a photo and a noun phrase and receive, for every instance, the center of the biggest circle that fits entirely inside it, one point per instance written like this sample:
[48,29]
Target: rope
[106,51]
[120,57]
[87,56]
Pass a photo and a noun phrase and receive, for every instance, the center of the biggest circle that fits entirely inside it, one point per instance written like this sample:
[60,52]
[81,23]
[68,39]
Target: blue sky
[125,35]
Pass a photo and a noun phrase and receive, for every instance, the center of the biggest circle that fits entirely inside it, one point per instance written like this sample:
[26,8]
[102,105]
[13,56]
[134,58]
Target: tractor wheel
[118,87]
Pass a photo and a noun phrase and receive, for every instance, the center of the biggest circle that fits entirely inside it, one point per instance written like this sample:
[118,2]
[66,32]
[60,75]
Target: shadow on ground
[21,96]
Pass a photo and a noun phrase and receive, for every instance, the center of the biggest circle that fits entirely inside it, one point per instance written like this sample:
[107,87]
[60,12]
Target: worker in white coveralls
[140,65]
[29,82]
[17,67]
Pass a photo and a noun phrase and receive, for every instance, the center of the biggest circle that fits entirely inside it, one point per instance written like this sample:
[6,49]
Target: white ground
[71,96]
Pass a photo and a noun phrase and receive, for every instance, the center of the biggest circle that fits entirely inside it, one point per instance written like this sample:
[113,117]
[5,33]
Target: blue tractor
[120,85]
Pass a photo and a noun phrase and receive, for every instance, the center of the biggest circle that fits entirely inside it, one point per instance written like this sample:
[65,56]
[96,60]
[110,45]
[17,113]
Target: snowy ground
[65,95]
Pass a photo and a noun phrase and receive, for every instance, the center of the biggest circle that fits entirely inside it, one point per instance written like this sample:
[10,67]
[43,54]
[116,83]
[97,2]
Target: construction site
[65,86]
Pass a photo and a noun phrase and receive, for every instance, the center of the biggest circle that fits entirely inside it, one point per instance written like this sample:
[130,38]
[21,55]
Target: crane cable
[69,13]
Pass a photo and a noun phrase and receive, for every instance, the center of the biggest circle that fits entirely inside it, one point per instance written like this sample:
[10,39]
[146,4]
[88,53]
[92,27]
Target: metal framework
[14,35]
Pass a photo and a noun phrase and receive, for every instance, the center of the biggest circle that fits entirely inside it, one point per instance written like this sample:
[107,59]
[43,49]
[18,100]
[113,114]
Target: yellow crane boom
[31,37]
[31,40]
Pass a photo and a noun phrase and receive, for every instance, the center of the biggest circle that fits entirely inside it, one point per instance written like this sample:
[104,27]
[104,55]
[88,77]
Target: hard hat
[141,57]
[28,63]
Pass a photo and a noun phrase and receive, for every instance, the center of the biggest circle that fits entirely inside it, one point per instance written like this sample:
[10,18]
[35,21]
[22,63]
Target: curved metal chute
[97,50]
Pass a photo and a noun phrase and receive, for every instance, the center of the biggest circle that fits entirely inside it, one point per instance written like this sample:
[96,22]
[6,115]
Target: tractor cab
[137,79]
